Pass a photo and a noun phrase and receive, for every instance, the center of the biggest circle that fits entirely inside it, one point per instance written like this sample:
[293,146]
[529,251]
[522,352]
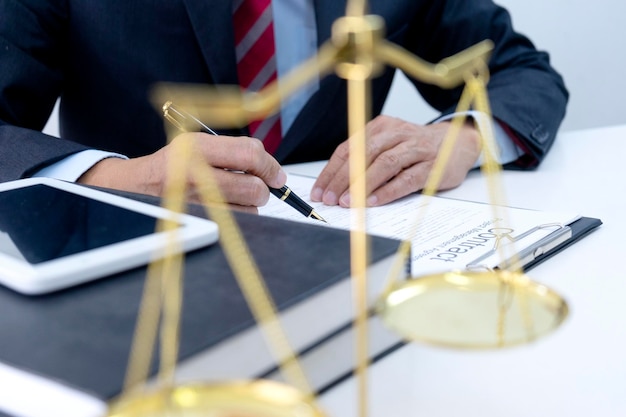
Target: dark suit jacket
[102,57]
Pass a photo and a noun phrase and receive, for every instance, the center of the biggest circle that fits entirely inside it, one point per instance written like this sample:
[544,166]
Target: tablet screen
[42,223]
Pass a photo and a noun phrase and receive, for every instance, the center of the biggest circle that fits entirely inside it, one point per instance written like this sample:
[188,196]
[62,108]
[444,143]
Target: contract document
[446,234]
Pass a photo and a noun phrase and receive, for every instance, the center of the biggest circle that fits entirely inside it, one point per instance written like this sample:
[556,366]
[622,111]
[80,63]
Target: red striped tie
[256,61]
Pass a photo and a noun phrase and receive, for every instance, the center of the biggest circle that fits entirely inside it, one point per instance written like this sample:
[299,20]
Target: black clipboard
[579,229]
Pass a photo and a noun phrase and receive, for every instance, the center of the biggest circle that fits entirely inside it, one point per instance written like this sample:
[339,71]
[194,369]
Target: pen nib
[316,216]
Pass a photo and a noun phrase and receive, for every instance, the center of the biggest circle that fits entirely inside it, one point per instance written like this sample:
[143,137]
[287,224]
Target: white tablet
[55,234]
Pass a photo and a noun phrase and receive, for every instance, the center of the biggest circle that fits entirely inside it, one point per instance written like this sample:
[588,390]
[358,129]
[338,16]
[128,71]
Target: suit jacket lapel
[212,23]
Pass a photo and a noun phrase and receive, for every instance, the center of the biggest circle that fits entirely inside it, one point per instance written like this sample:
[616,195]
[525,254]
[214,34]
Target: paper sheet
[445,233]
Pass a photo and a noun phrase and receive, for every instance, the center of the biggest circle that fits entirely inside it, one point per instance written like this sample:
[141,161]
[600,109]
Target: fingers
[241,154]
[405,182]
[336,173]
[236,188]
[333,182]
[242,168]
[400,157]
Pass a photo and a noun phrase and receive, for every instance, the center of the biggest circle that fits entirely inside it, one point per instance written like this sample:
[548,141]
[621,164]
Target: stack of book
[70,349]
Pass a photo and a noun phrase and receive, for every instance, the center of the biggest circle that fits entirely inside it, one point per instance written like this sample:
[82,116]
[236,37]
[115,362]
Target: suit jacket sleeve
[525,92]
[31,38]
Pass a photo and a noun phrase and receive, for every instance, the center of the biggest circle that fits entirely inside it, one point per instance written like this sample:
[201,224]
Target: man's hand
[400,156]
[242,169]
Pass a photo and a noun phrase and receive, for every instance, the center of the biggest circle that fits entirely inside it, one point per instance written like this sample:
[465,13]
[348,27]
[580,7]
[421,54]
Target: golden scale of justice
[473,309]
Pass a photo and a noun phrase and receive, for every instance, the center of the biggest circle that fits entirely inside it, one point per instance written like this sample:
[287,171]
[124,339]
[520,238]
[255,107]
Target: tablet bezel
[71,270]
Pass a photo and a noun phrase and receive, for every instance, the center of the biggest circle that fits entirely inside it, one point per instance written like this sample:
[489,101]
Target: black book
[70,349]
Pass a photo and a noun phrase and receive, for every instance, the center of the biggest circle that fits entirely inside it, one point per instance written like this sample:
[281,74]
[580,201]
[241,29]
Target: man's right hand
[241,167]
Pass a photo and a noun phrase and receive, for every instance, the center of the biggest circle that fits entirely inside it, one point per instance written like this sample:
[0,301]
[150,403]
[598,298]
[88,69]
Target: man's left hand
[400,156]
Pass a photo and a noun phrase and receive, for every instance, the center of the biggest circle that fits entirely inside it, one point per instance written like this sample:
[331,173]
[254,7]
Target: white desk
[580,370]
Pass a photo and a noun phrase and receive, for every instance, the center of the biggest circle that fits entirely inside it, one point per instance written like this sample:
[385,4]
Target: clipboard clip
[560,235]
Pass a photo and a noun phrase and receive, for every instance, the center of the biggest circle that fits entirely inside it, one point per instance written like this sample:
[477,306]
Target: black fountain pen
[188,123]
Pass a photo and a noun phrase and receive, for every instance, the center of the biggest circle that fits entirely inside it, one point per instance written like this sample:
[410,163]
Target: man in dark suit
[102,59]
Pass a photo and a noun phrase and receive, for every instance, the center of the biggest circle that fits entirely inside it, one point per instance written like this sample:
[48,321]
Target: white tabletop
[579,370]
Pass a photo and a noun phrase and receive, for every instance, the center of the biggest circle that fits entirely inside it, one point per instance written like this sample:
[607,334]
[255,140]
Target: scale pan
[257,398]
[472,310]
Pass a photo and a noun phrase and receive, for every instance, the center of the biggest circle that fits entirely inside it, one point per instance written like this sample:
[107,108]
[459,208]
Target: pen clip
[559,234]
